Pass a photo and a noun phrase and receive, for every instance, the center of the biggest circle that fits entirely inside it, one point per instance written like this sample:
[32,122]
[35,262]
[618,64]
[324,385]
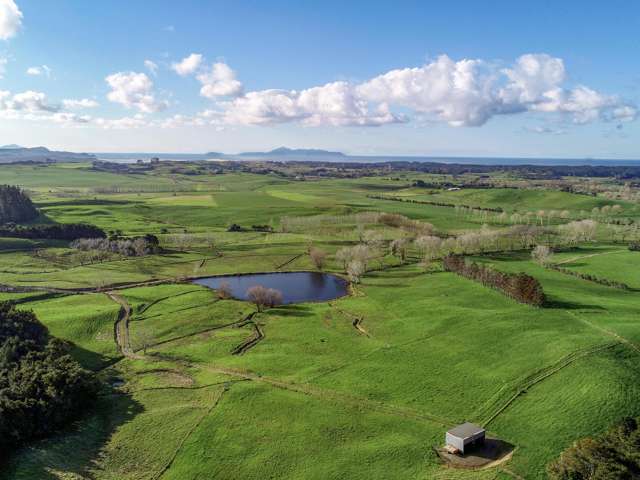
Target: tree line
[15,205]
[521,287]
[41,387]
[56,231]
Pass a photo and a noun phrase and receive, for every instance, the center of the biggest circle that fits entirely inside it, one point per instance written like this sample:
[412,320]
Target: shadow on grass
[290,311]
[560,304]
[75,449]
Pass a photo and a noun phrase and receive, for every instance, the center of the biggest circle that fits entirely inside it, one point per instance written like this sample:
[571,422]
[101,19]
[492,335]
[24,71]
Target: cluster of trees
[127,247]
[521,287]
[578,231]
[592,278]
[263,297]
[614,454]
[415,227]
[623,231]
[15,205]
[57,231]
[355,260]
[41,387]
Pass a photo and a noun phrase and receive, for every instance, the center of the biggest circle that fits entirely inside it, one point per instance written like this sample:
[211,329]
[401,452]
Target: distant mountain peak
[11,146]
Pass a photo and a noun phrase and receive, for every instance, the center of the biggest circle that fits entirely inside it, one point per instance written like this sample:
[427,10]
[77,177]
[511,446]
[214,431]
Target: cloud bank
[464,93]
[10,19]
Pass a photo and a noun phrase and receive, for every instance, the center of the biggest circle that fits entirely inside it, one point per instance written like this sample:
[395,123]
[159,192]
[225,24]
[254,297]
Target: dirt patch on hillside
[491,454]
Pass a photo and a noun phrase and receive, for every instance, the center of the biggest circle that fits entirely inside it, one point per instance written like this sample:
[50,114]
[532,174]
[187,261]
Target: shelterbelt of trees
[41,387]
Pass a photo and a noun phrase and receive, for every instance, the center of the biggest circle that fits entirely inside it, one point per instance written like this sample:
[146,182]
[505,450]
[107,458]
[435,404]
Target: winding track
[121,327]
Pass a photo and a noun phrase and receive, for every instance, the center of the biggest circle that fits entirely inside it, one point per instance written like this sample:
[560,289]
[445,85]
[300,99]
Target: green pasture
[316,398]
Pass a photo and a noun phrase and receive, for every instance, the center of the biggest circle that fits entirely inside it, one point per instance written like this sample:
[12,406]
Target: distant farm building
[464,437]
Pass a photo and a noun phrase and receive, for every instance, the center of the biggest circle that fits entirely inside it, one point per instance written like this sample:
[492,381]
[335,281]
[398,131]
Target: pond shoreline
[295,286]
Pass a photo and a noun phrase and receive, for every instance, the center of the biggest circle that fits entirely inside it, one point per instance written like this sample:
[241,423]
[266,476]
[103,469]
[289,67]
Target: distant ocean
[133,157]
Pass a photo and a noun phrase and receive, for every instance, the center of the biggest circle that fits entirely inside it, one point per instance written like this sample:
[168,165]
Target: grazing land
[360,387]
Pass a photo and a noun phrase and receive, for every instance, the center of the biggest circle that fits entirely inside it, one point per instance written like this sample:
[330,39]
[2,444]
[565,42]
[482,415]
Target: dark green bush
[41,387]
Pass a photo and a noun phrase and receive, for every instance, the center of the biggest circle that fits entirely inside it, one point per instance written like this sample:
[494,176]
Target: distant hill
[293,153]
[16,153]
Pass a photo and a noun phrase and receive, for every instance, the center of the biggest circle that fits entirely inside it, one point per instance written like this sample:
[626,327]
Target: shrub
[41,386]
[612,455]
[634,246]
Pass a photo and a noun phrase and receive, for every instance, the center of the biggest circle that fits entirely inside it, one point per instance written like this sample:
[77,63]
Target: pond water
[296,287]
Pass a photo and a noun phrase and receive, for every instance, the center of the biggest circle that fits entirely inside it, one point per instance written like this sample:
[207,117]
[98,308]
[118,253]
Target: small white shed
[465,436]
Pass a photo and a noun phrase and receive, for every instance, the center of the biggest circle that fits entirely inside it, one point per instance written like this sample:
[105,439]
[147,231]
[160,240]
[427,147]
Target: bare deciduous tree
[263,297]
[542,255]
[318,257]
[429,246]
[355,269]
[224,291]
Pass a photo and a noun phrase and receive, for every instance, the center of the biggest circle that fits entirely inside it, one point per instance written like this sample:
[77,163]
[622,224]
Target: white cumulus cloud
[188,65]
[76,104]
[28,101]
[10,19]
[219,81]
[335,104]
[134,90]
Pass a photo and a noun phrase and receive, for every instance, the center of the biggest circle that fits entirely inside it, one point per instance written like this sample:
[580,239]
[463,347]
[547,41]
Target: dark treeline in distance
[57,231]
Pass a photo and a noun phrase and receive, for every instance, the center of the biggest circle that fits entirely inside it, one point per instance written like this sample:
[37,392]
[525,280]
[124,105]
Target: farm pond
[296,287]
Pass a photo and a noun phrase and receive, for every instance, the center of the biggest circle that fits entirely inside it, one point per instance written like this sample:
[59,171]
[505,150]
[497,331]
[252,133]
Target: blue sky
[558,79]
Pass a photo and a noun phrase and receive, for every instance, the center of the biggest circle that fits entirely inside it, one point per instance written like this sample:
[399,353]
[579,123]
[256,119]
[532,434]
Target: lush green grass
[316,398]
[87,320]
[616,263]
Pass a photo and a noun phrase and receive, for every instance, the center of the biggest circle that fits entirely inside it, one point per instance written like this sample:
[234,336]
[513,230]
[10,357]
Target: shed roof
[466,430]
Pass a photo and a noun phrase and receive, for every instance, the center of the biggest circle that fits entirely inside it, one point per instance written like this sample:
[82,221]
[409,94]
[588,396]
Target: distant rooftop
[466,430]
